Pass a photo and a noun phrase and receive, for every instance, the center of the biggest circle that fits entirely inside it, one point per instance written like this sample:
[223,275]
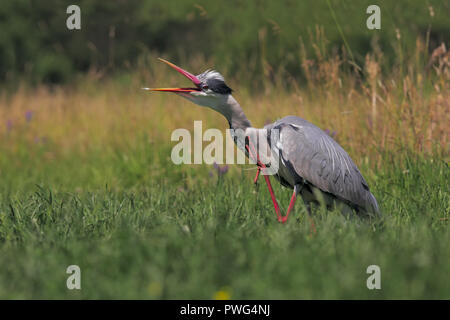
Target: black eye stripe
[218,86]
[212,80]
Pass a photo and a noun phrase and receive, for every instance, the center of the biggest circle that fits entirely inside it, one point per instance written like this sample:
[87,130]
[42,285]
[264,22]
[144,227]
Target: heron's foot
[282,219]
[312,227]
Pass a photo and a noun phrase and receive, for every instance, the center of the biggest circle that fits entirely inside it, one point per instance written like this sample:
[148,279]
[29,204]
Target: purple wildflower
[29,115]
[332,134]
[40,140]
[9,125]
[221,170]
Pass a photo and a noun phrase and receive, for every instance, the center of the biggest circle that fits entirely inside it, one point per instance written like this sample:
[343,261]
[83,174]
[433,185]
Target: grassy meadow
[86,179]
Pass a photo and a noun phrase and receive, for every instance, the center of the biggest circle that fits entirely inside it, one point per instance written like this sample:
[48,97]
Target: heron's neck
[234,114]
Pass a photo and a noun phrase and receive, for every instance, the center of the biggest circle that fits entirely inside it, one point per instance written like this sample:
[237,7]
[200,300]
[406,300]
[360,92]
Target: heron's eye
[205,87]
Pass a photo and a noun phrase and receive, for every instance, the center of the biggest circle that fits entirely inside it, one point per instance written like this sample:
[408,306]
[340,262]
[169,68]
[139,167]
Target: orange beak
[185,73]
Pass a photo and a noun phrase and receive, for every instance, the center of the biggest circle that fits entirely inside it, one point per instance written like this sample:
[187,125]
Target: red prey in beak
[185,73]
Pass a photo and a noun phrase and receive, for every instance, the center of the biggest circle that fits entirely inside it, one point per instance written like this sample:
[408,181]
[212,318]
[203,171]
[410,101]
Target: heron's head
[210,89]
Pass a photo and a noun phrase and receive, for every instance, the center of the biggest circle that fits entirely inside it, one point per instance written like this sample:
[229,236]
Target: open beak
[188,75]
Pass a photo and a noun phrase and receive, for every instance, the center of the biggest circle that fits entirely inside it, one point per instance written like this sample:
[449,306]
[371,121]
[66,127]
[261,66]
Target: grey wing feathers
[321,161]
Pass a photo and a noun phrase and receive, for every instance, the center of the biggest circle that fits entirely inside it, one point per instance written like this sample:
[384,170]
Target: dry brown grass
[372,114]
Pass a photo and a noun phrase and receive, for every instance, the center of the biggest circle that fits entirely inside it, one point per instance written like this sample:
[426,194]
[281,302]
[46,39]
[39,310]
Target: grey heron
[311,162]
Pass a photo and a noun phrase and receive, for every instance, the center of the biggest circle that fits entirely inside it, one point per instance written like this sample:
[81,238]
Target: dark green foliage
[242,37]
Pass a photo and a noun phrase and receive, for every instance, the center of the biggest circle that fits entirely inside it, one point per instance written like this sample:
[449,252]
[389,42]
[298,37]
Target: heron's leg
[274,200]
[297,189]
[255,181]
[311,221]
[255,157]
[251,150]
[312,225]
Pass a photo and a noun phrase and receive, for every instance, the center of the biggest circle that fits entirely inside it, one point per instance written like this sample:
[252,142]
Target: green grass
[163,231]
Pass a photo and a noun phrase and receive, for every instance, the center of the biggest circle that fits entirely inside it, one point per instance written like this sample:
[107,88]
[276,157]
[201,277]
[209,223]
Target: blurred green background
[236,35]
